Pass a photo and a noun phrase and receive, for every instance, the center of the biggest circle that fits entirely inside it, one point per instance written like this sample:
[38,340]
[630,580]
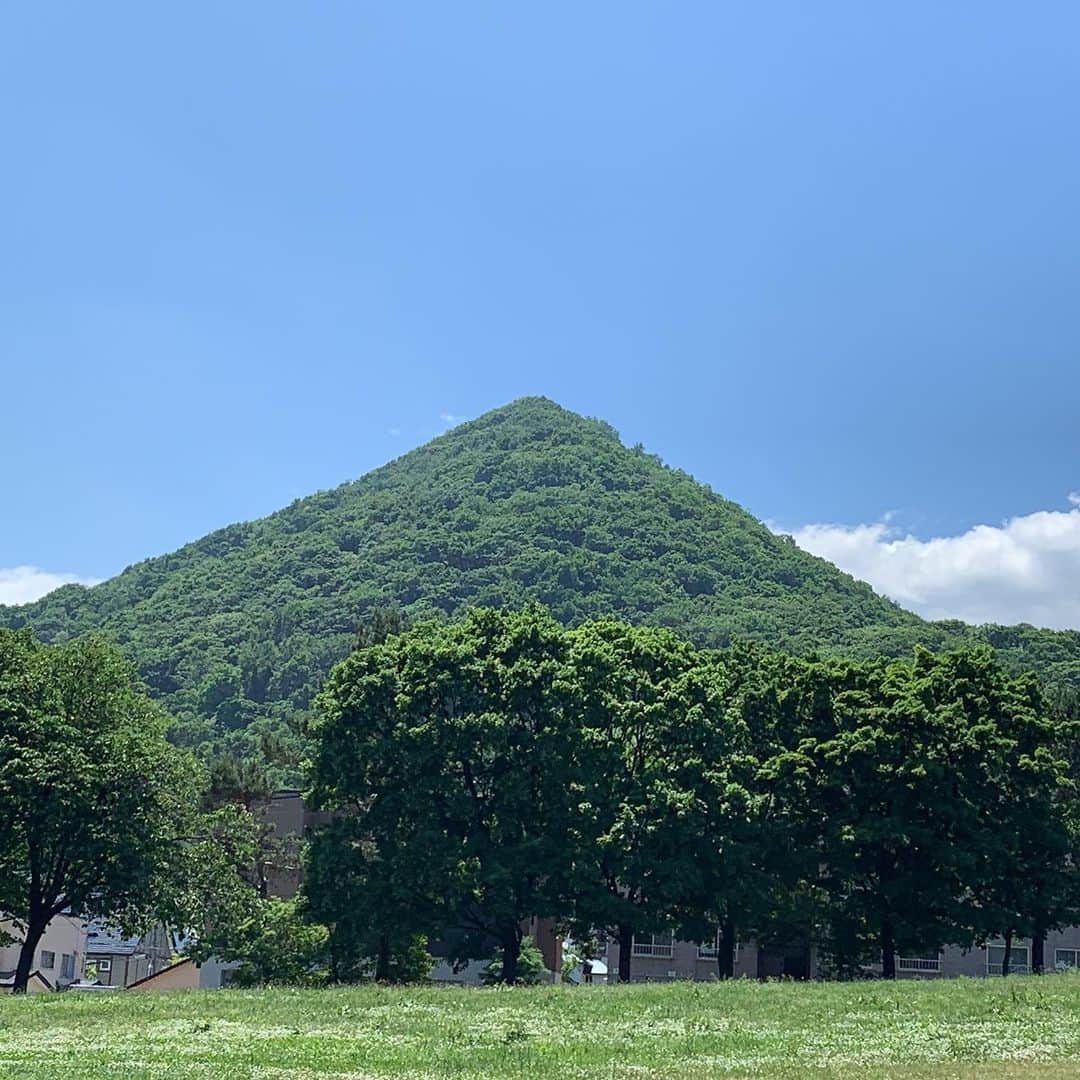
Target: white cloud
[450,418]
[393,431]
[1025,570]
[21,584]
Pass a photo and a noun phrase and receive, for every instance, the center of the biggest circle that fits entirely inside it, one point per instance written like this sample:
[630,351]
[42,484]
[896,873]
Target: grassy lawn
[959,1028]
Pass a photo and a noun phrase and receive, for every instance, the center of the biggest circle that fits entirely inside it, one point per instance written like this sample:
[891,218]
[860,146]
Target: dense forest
[236,631]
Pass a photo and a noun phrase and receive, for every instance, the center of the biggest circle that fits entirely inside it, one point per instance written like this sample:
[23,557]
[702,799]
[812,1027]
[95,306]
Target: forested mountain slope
[529,501]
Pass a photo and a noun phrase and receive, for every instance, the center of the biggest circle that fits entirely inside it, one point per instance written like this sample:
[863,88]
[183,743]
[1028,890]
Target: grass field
[959,1028]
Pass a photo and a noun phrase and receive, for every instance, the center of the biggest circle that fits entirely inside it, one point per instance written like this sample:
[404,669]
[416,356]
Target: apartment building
[1061,952]
[662,957]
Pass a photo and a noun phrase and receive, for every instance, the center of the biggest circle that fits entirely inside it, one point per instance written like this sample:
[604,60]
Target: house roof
[7,978]
[105,941]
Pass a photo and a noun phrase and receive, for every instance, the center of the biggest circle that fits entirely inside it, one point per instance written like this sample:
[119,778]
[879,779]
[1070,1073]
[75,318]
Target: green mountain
[528,501]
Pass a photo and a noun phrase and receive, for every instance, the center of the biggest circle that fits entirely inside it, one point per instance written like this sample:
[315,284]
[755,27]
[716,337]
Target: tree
[644,726]
[245,781]
[448,744]
[95,800]
[275,945]
[213,879]
[1025,880]
[894,783]
[382,623]
[362,879]
[530,972]
[743,834]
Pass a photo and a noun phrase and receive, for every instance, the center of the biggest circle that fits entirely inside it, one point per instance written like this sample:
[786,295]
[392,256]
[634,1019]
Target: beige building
[60,955]
[183,975]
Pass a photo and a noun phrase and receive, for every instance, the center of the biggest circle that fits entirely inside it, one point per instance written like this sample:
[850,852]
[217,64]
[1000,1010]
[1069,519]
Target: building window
[1064,959]
[711,950]
[67,966]
[927,964]
[1018,959]
[103,965]
[654,945]
[48,960]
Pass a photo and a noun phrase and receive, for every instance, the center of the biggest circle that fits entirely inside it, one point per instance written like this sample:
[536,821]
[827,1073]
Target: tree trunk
[626,947]
[511,954]
[759,969]
[382,960]
[1038,950]
[725,950]
[335,963]
[35,928]
[1007,954]
[888,950]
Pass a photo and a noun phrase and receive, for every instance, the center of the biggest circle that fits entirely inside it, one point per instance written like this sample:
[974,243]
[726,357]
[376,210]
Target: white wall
[64,936]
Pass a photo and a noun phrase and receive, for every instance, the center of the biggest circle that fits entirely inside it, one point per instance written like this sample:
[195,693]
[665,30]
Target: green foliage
[95,802]
[933,786]
[656,753]
[362,878]
[447,744]
[213,878]
[530,967]
[235,632]
[243,781]
[622,781]
[275,945]
[409,962]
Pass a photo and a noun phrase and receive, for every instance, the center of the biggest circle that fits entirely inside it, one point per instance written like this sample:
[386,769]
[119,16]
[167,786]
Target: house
[114,959]
[61,952]
[36,984]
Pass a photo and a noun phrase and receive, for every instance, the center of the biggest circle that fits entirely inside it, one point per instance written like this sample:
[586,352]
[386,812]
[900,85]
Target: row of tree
[623,782]
[611,777]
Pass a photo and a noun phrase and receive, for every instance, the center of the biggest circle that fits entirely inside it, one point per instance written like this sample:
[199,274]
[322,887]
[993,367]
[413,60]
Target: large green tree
[650,723]
[95,800]
[449,744]
[894,784]
[1025,880]
[749,842]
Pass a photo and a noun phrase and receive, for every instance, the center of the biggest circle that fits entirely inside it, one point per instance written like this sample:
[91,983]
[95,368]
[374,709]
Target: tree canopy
[96,801]
[624,782]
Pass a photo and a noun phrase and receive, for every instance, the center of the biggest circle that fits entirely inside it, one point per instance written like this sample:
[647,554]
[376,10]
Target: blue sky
[824,257]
